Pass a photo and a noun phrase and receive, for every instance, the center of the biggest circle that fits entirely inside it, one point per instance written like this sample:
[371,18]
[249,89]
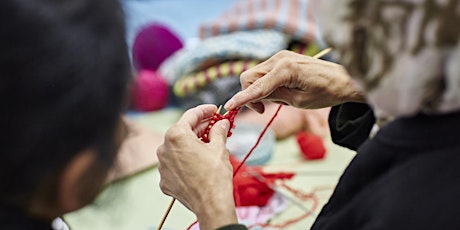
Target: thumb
[218,132]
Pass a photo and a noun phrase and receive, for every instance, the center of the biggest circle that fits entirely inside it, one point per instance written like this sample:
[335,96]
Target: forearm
[340,86]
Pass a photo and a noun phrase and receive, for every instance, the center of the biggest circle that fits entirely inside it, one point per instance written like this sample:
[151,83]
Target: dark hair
[64,68]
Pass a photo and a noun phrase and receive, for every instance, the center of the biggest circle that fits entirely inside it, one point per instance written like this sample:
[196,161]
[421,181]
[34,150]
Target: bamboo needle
[166,213]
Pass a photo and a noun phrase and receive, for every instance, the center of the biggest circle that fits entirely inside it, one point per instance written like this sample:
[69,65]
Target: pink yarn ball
[152,45]
[150,91]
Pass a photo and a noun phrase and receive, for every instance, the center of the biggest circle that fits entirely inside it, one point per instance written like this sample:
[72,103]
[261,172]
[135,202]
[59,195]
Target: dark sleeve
[350,124]
[233,227]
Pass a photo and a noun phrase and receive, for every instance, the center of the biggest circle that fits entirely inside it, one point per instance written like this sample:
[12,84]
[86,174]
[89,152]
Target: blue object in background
[181,16]
[244,137]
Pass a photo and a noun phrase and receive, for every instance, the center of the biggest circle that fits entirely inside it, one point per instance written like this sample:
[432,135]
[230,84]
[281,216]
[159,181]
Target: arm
[199,174]
[296,80]
[309,83]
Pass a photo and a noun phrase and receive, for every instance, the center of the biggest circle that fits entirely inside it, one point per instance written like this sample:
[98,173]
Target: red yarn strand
[258,140]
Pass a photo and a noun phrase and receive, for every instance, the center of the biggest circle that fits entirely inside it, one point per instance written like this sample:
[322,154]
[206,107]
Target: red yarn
[248,190]
[258,140]
[251,191]
[230,116]
[309,196]
[311,146]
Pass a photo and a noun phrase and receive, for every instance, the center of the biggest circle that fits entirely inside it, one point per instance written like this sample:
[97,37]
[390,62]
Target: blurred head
[404,53]
[63,75]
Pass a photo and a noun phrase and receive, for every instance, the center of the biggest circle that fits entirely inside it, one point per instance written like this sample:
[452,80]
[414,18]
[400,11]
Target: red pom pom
[311,146]
[150,91]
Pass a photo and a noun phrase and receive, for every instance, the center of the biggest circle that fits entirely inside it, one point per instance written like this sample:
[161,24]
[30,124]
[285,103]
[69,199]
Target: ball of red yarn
[248,190]
[311,146]
[152,45]
[150,91]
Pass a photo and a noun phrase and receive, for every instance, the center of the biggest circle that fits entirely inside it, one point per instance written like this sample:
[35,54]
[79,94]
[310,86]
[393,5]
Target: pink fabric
[293,17]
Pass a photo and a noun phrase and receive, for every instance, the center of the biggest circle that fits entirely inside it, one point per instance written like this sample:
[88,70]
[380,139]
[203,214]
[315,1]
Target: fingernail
[229,105]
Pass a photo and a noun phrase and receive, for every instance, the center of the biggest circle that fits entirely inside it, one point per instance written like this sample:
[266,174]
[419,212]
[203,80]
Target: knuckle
[245,75]
[174,134]
[245,78]
[160,168]
[297,100]
[258,88]
[258,91]
[286,64]
[282,53]
[161,150]
[164,187]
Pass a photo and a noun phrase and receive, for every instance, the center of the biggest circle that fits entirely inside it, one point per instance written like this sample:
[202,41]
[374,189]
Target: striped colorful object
[309,49]
[196,81]
[240,45]
[293,17]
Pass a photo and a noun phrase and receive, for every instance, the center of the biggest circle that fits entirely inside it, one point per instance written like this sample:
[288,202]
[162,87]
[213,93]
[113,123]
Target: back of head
[404,53]
[63,74]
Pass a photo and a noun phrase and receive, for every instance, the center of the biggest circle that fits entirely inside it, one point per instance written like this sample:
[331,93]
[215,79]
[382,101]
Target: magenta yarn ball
[150,91]
[152,45]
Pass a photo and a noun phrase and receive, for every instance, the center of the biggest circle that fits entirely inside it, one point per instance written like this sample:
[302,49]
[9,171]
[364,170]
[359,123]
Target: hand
[296,80]
[199,174]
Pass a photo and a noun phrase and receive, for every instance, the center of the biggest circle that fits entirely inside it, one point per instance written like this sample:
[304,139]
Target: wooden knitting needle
[322,53]
[166,213]
[274,188]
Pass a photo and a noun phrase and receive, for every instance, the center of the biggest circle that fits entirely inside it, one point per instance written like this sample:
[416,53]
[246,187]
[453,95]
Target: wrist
[216,212]
[356,94]
[347,89]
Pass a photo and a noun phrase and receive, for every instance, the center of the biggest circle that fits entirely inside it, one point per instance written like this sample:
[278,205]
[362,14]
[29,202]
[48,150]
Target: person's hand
[296,80]
[199,174]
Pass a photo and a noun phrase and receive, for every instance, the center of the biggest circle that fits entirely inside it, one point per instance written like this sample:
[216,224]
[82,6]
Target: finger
[200,128]
[258,107]
[218,132]
[282,95]
[193,117]
[249,76]
[287,96]
[260,89]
